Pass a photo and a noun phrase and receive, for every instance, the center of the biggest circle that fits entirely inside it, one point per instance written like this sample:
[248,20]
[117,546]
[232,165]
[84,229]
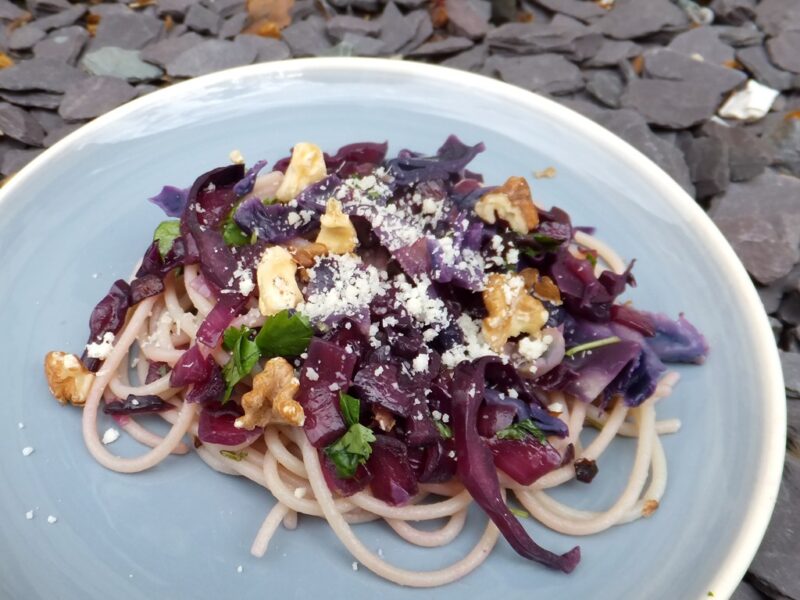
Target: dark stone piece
[118,62]
[793,415]
[631,127]
[748,155]
[267,49]
[95,96]
[559,35]
[48,119]
[464,19]
[548,73]
[745,591]
[791,373]
[396,29]
[777,328]
[705,42]
[46,75]
[209,56]
[784,138]
[10,11]
[774,16]
[755,59]
[340,25]
[611,52]
[226,8]
[232,26]
[577,9]
[605,85]
[126,30]
[302,9]
[63,45]
[411,4]
[733,12]
[766,233]
[61,19]
[307,38]
[443,47]
[471,60]
[23,38]
[174,8]
[177,31]
[784,49]
[353,44]
[58,134]
[774,569]
[169,49]
[15,159]
[789,309]
[18,125]
[708,165]
[666,64]
[632,20]
[202,20]
[671,104]
[421,21]
[145,88]
[45,6]
[739,37]
[32,99]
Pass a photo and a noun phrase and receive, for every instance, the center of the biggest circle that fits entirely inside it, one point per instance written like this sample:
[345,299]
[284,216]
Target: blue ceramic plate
[77,218]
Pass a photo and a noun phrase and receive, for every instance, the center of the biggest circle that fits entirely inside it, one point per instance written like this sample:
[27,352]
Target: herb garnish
[165,235]
[444,430]
[592,345]
[355,446]
[520,430]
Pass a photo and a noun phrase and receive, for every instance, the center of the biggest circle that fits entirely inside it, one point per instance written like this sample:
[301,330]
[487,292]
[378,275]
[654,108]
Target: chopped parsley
[350,407]
[238,456]
[233,235]
[284,334]
[521,430]
[244,356]
[355,446]
[592,345]
[522,514]
[444,430]
[165,235]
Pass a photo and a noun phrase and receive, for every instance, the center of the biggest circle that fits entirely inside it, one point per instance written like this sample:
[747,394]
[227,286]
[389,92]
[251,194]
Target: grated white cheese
[532,348]
[20,425]
[27,451]
[420,362]
[110,436]
[474,345]
[355,566]
[311,374]
[239,569]
[51,519]
[29,515]
[102,349]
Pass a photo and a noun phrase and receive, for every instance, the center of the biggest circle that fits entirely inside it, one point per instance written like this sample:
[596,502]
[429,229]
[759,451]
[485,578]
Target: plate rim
[770,377]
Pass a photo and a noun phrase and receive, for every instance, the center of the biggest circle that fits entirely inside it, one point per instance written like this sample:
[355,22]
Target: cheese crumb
[20,425]
[51,519]
[236,157]
[311,374]
[102,349]
[300,492]
[532,348]
[110,436]
[420,363]
[239,569]
[27,451]
[29,515]
[355,566]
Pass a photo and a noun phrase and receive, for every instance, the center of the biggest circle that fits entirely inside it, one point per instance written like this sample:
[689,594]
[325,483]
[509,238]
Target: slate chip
[59,134]
[774,16]
[734,12]
[420,20]
[23,38]
[48,119]
[128,30]
[748,155]
[94,96]
[61,19]
[469,60]
[705,42]
[444,47]
[789,309]
[15,159]
[166,50]
[307,38]
[671,104]
[232,26]
[755,59]
[63,45]
[606,86]
[765,234]
[10,11]
[267,49]
[632,20]
[42,74]
[784,138]
[32,99]
[745,591]
[784,49]
[739,37]
[118,62]
[174,8]
[611,52]
[465,19]
[791,373]
[667,64]
[708,160]
[548,73]
[559,35]
[37,6]
[578,9]
[209,56]
[353,44]
[340,25]
[202,20]
[17,124]
[397,30]
[226,8]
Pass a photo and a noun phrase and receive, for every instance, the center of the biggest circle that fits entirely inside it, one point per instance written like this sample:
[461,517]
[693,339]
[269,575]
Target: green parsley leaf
[350,407]
[520,430]
[530,252]
[284,335]
[522,514]
[233,235]
[592,258]
[545,240]
[238,456]
[444,430]
[245,355]
[351,450]
[592,345]
[165,234]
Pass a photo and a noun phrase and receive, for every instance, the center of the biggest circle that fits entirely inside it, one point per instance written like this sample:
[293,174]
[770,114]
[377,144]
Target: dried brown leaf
[278,12]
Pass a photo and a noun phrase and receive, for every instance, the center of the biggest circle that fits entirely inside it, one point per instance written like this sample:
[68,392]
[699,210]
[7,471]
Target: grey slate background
[642,68]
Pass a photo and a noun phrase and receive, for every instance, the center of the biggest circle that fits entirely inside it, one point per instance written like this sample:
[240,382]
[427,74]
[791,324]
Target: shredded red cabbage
[107,317]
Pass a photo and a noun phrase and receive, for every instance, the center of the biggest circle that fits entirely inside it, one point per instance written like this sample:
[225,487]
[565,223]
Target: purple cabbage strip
[156,370]
[477,472]
[137,405]
[359,158]
[524,460]
[224,312]
[108,315]
[393,479]
[216,425]
[450,160]
[171,200]
[191,367]
[432,463]
[246,184]
[271,223]
[677,341]
[210,389]
[343,487]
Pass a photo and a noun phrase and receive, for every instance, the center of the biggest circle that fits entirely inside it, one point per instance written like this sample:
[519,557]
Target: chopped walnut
[68,379]
[272,397]
[543,287]
[384,418]
[307,166]
[650,506]
[337,233]
[306,255]
[512,310]
[511,202]
[277,286]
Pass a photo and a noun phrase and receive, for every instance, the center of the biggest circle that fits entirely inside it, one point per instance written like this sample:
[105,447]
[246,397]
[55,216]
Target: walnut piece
[307,166]
[543,287]
[277,286]
[68,379]
[272,397]
[384,418]
[512,310]
[511,202]
[337,233]
[306,255]
[650,506]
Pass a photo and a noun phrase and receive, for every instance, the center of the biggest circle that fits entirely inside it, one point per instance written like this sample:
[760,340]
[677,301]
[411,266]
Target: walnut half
[68,379]
[272,396]
[512,310]
[337,232]
[511,202]
[277,286]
